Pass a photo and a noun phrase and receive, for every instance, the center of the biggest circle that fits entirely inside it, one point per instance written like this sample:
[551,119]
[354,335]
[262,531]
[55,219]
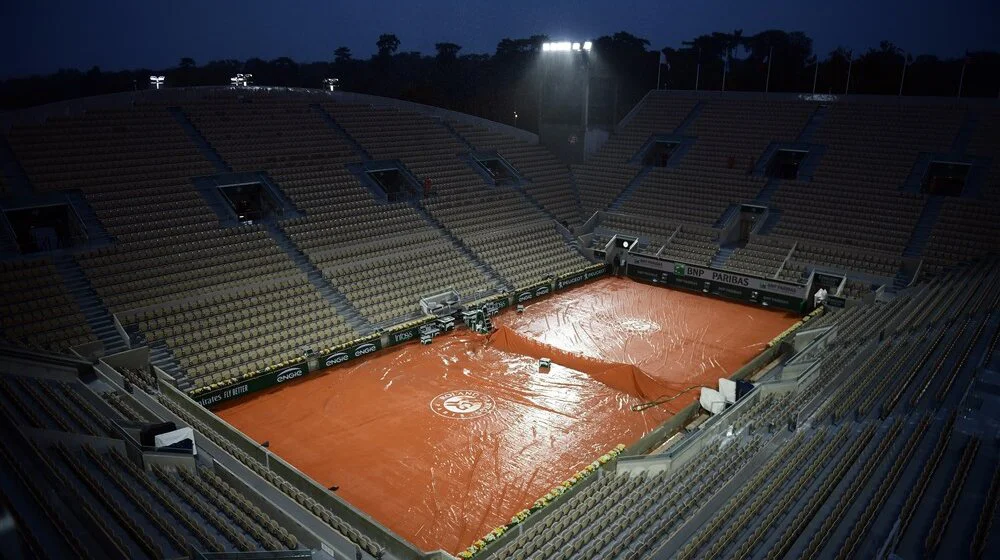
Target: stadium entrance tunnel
[244,197]
[389,181]
[785,164]
[948,174]
[788,160]
[946,178]
[37,229]
[495,169]
[663,150]
[251,202]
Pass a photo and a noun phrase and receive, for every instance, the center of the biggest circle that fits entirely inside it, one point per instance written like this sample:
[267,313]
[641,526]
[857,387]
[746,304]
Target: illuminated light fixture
[242,80]
[156,81]
[332,83]
[566,46]
[625,244]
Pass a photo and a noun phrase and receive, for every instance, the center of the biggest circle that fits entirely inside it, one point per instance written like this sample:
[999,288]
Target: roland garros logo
[463,405]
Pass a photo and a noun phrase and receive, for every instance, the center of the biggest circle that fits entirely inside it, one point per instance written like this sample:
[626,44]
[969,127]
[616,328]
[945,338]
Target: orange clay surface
[442,443]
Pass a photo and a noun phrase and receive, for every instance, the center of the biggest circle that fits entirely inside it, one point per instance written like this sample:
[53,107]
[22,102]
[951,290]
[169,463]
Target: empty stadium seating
[754,487]
[876,438]
[37,310]
[111,505]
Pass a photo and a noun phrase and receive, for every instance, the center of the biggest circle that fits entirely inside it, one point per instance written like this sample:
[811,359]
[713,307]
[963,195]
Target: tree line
[496,85]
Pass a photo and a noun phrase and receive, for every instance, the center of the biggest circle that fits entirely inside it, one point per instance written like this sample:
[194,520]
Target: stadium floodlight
[242,80]
[156,81]
[332,83]
[567,46]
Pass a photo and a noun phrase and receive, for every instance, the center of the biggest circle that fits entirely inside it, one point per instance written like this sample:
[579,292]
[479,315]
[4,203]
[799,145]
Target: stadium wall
[722,283]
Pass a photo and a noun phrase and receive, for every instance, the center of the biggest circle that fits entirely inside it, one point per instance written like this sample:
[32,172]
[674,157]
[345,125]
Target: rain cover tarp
[442,443]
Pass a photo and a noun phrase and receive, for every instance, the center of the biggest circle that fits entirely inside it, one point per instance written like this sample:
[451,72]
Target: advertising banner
[748,289]
[490,306]
[254,384]
[579,276]
[407,332]
[531,292]
[354,350]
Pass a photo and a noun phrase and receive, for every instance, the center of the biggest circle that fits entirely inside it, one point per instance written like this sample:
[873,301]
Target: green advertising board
[531,292]
[350,351]
[579,276]
[718,283]
[252,385]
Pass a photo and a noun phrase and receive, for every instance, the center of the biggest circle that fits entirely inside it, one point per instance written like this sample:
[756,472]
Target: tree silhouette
[342,55]
[387,44]
[493,85]
[447,51]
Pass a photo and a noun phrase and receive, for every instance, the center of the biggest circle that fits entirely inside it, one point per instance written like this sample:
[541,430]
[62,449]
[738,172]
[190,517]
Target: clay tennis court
[442,443]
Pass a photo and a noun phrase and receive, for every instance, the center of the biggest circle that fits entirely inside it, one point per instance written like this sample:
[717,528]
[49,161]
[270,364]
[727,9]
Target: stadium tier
[173,254]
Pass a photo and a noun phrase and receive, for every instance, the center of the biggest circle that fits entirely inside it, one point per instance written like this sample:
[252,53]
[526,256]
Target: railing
[254,555]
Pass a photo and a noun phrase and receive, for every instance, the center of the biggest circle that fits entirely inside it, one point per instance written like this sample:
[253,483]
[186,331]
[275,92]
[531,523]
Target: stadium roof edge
[981,102]
[37,114]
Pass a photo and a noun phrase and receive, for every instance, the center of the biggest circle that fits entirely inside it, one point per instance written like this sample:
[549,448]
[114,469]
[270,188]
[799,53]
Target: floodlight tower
[565,86]
[332,83]
[156,81]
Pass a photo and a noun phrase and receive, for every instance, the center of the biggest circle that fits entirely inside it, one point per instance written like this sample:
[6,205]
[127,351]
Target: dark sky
[45,35]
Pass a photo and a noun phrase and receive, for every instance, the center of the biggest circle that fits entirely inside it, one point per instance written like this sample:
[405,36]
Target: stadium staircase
[961,142]
[481,265]
[196,136]
[328,118]
[632,186]
[8,243]
[765,194]
[97,236]
[915,180]
[925,224]
[722,256]
[901,280]
[727,216]
[90,304]
[531,200]
[161,357]
[210,193]
[288,208]
[447,126]
[691,116]
[814,122]
[576,196]
[15,179]
[340,302]
[773,215]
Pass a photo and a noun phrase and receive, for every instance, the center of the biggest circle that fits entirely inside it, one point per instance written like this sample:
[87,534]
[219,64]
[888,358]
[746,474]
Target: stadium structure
[250,322]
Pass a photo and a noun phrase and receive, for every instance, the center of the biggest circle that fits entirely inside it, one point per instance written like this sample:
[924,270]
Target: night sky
[46,35]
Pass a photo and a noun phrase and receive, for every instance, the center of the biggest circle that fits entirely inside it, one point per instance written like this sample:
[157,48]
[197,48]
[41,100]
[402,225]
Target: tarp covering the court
[442,443]
[626,378]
